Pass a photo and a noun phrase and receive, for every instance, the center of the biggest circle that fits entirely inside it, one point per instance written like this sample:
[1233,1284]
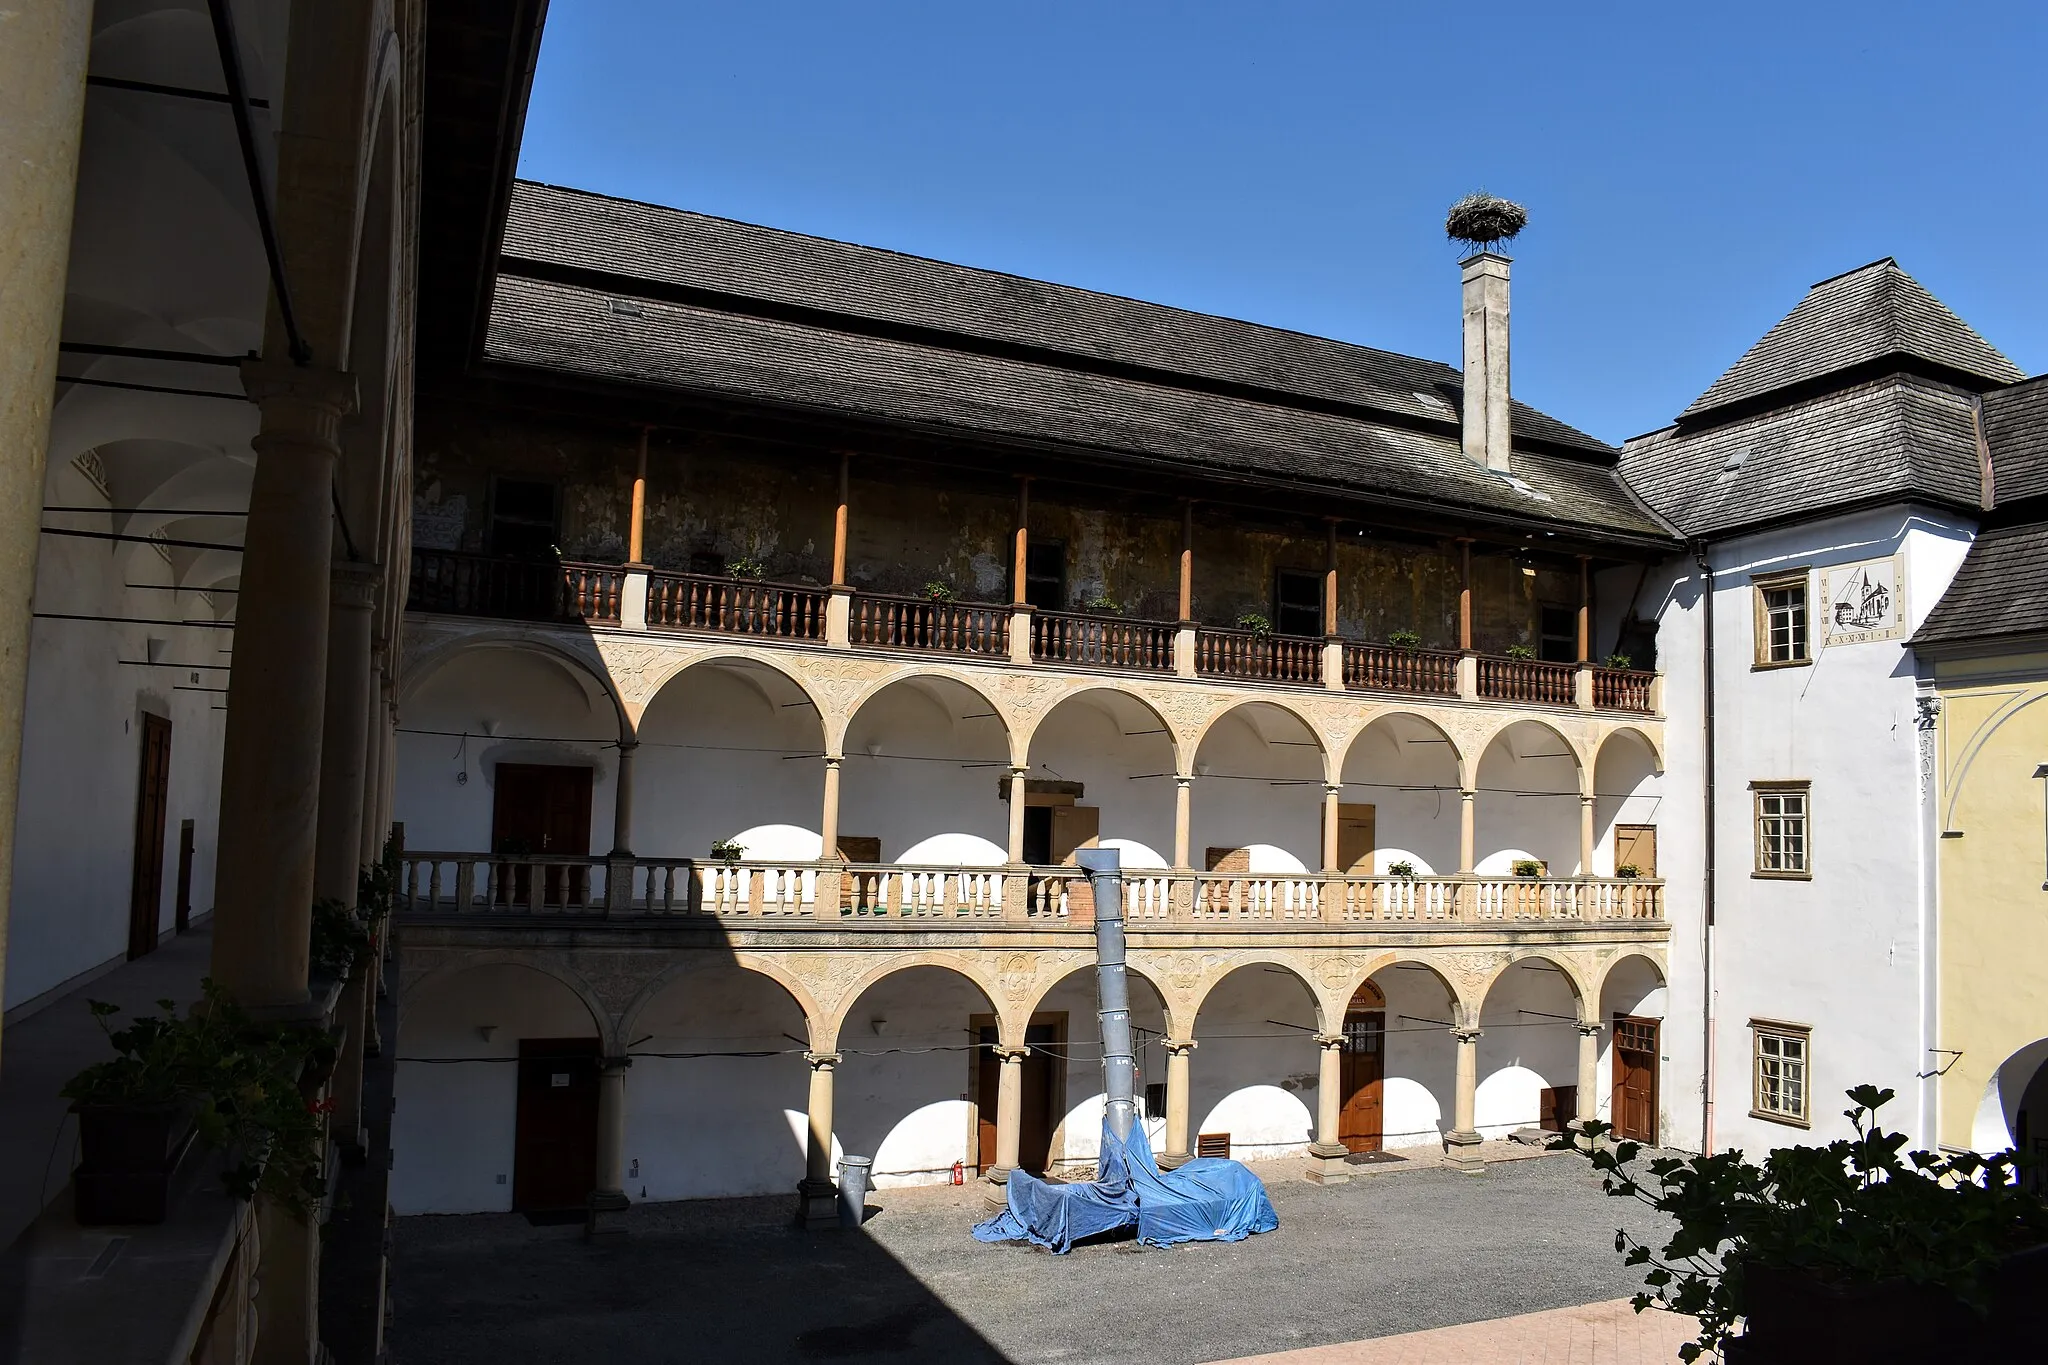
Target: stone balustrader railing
[850,894]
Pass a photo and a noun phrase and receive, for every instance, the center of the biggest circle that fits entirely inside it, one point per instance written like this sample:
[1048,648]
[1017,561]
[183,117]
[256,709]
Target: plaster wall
[1404,770]
[1524,1047]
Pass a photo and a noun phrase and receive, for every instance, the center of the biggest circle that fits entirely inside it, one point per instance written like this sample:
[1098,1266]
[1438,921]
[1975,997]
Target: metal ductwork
[1113,988]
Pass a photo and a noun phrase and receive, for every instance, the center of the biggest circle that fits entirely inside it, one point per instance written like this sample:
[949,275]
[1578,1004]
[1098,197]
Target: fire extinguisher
[959,1173]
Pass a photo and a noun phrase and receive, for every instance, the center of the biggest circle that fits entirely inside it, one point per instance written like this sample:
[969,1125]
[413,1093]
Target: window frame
[1308,585]
[1780,787]
[1782,1031]
[1761,587]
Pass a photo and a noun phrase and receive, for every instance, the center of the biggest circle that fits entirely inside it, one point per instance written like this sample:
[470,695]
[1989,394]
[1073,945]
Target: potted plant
[1404,639]
[747,566]
[1103,604]
[727,851]
[1528,867]
[1628,871]
[1256,623]
[937,591]
[1521,652]
[1618,661]
[340,936]
[1857,1249]
[1403,868]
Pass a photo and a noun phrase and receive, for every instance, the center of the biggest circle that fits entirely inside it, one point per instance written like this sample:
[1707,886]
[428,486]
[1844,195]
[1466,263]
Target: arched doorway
[1632,1002]
[1361,1117]
[1253,1085]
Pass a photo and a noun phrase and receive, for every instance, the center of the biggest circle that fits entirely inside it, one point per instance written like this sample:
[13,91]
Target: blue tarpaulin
[1205,1200]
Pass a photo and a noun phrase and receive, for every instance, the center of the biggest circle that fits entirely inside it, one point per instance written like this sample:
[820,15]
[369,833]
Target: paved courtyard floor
[1394,1252]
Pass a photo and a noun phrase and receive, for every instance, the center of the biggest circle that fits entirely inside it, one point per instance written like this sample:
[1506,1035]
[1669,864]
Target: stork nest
[1484,221]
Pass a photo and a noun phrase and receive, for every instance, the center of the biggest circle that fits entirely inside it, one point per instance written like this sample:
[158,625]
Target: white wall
[935,768]
[1252,1077]
[1263,786]
[1407,772]
[1079,1097]
[1528,803]
[900,1095]
[1523,1048]
[1098,740]
[727,750]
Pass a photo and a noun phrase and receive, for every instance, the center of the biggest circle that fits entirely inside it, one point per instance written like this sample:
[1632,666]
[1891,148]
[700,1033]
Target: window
[1045,574]
[1297,603]
[1557,636]
[522,518]
[1784,837]
[1781,620]
[1778,1082]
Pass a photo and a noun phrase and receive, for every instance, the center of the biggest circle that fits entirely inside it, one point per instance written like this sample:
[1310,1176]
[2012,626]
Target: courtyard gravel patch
[1393,1251]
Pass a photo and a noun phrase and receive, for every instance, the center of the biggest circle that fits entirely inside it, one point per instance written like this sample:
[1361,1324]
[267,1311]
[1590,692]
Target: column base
[817,1203]
[1167,1161]
[1577,1127]
[1327,1164]
[995,1186]
[603,1218]
[1461,1153]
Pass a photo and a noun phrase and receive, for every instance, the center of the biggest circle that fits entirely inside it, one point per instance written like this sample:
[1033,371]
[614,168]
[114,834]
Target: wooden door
[1636,844]
[554,1143]
[1074,827]
[1635,1078]
[1360,1122]
[541,809]
[152,802]
[1036,1093]
[184,875]
[1356,838]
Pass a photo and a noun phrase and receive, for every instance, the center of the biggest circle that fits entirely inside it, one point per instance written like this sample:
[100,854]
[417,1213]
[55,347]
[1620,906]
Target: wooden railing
[1256,657]
[735,606]
[1527,680]
[853,894]
[524,590]
[916,623]
[1397,668]
[1622,689]
[1102,641]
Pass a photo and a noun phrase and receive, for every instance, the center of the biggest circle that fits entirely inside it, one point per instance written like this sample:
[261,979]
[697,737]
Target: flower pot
[128,1155]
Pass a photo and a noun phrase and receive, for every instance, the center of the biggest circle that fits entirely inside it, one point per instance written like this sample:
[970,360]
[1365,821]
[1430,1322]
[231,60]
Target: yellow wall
[1993,861]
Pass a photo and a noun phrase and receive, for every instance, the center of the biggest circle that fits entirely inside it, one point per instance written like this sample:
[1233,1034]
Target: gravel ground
[1395,1251]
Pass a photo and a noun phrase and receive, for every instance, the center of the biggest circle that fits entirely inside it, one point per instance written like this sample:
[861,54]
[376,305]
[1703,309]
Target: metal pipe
[245,133]
[1699,551]
[1113,988]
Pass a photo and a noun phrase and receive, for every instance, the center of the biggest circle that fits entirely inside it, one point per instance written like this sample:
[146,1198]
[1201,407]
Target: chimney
[1486,359]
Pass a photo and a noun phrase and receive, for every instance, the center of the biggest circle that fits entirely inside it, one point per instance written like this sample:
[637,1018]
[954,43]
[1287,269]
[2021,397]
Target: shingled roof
[760,314]
[2000,591]
[2016,429]
[1874,314]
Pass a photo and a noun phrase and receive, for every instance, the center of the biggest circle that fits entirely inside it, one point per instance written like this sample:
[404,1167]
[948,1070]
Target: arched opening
[1627,794]
[2013,1114]
[730,749]
[1065,1025]
[1528,1051]
[717,1097]
[1528,803]
[1258,799]
[927,764]
[1632,1004]
[1101,776]
[507,749]
[1252,1084]
[496,1093]
[910,1045]
[1400,802]
[1419,1068]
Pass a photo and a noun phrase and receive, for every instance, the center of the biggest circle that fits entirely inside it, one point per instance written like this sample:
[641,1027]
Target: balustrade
[1102,641]
[1622,689]
[524,590]
[918,623]
[1527,680]
[1395,668]
[735,606]
[1255,657]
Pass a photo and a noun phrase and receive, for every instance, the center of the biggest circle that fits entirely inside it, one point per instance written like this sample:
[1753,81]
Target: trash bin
[853,1188]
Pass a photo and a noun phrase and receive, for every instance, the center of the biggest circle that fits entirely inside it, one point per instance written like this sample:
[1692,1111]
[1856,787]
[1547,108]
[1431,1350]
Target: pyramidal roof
[1872,313]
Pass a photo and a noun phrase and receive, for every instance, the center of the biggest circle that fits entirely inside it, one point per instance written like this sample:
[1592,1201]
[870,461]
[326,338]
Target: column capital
[1588,1028]
[1586,798]
[822,1061]
[1184,781]
[834,760]
[1331,1041]
[300,403]
[1333,789]
[354,584]
[628,743]
[612,1066]
[1179,1047]
[1467,1035]
[1012,1054]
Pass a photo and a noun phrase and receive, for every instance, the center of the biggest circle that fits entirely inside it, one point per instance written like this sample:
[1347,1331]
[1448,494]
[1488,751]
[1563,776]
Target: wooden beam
[1585,608]
[1465,593]
[839,536]
[1330,580]
[1019,563]
[636,534]
[1187,559]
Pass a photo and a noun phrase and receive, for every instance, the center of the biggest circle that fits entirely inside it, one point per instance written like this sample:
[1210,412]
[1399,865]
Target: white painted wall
[1098,740]
[1263,784]
[1253,1076]
[900,1095]
[923,759]
[1406,771]
[1080,1097]
[1523,1048]
[729,750]
[1528,802]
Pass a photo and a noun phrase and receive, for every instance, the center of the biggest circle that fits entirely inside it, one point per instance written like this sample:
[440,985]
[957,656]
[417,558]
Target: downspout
[1699,556]
[1113,988]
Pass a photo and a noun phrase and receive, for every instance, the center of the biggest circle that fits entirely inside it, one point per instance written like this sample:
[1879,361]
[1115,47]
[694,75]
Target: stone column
[828,819]
[345,737]
[1333,793]
[839,523]
[1009,1117]
[1177,1144]
[42,109]
[817,1194]
[1467,831]
[1183,792]
[1589,1071]
[1586,839]
[1326,1164]
[270,766]
[376,734]
[1462,1142]
[1017,794]
[609,1198]
[622,800]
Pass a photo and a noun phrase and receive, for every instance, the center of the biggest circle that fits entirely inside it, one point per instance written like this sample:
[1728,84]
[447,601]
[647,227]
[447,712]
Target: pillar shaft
[636,531]
[1585,609]
[270,765]
[1009,1109]
[1187,561]
[345,737]
[1017,793]
[1329,1088]
[839,532]
[1586,836]
[1589,1072]
[1177,1149]
[376,735]
[1466,1107]
[1467,830]
[608,1197]
[1183,791]
[622,800]
[42,112]
[818,1196]
[1330,582]
[1465,595]
[828,820]
[1019,562]
[1333,793]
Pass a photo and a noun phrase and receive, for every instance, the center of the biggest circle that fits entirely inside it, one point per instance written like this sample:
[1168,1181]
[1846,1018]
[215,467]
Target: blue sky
[1688,170]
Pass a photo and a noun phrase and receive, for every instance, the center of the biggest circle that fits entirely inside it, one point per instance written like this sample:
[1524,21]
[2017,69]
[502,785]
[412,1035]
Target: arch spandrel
[424,967]
[1584,993]
[1080,689]
[837,982]
[766,965]
[426,653]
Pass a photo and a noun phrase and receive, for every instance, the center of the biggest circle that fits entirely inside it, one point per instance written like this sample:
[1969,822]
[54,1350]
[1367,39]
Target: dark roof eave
[1791,395]
[1894,498]
[1979,646]
[1390,501]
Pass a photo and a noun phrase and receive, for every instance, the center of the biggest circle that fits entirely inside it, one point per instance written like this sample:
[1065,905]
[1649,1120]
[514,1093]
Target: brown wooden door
[1356,837]
[1035,1113]
[1361,1121]
[554,1143]
[1073,828]
[1635,1078]
[1636,844]
[541,809]
[184,875]
[152,803]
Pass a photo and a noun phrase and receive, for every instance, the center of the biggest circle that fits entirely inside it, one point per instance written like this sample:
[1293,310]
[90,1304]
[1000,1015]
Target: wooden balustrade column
[1177,1150]
[636,534]
[1009,1112]
[1187,560]
[1465,594]
[1467,831]
[1327,1153]
[1183,792]
[609,1198]
[270,761]
[1463,1141]
[828,822]
[1585,609]
[818,1195]
[1589,1071]
[1019,564]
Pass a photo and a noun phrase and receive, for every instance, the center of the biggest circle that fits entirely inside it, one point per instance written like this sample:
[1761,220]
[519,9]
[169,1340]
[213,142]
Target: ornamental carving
[1335,973]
